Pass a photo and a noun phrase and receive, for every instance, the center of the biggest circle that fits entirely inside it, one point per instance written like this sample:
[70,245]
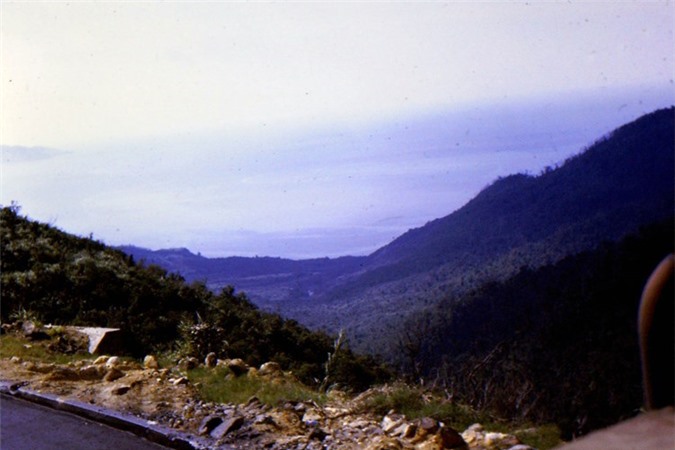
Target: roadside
[165,404]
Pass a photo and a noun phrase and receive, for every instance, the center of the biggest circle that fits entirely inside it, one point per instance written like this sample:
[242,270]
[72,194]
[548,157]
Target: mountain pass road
[28,426]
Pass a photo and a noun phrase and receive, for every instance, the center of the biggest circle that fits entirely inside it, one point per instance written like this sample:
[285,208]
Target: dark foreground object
[26,426]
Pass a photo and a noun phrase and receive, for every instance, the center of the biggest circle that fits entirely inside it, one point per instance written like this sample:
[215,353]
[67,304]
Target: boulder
[150,362]
[101,359]
[113,361]
[391,421]
[180,381]
[209,424]
[427,426]
[92,372]
[270,369]
[384,443]
[188,363]
[120,390]
[63,373]
[211,360]
[33,332]
[228,426]
[102,340]
[113,374]
[451,439]
[237,366]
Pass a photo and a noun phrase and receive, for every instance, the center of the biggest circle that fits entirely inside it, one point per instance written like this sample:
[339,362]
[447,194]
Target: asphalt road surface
[27,426]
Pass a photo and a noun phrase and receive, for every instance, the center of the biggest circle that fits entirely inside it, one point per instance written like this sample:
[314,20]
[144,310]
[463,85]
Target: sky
[305,129]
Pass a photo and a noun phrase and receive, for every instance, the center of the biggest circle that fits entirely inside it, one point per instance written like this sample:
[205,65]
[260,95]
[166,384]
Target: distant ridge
[619,183]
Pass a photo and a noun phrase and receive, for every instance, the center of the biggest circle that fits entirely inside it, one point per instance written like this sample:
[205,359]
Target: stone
[150,362]
[270,369]
[102,340]
[113,374]
[113,361]
[384,443]
[427,425]
[210,360]
[228,426]
[209,424]
[311,417]
[63,373]
[33,332]
[15,360]
[405,430]
[318,434]
[92,372]
[237,366]
[120,390]
[451,439]
[521,447]
[180,381]
[188,363]
[101,359]
[391,422]
[500,440]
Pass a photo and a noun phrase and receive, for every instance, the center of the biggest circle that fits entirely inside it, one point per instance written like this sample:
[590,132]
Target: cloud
[17,154]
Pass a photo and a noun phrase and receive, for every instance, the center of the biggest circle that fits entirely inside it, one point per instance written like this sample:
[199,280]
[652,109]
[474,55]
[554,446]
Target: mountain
[622,181]
[558,343]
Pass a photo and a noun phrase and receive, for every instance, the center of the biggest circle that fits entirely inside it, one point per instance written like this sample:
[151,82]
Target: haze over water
[305,130]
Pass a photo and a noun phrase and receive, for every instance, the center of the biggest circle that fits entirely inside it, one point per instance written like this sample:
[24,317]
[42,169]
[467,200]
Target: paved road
[27,426]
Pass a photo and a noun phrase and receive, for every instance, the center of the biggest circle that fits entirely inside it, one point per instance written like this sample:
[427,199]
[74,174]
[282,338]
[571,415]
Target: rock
[188,363]
[521,447]
[405,430]
[63,373]
[237,366]
[210,360]
[209,424]
[39,367]
[451,438]
[391,421]
[312,417]
[101,359]
[384,443]
[500,440]
[15,360]
[113,374]
[318,434]
[92,372]
[427,426]
[120,390]
[150,362]
[228,426]
[270,369]
[33,332]
[180,381]
[113,361]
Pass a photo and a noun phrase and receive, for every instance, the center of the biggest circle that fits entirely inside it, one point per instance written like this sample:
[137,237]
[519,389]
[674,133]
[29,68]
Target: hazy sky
[305,129]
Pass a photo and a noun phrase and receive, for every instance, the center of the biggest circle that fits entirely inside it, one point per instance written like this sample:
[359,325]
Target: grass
[416,403]
[14,345]
[542,437]
[220,386]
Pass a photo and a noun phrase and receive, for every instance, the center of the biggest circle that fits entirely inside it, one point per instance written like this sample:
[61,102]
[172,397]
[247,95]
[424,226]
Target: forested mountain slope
[619,183]
[553,344]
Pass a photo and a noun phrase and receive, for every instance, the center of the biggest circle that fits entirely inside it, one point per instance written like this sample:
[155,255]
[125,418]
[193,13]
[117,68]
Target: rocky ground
[166,396]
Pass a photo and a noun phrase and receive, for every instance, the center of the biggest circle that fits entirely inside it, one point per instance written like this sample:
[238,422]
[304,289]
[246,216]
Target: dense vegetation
[63,279]
[556,344]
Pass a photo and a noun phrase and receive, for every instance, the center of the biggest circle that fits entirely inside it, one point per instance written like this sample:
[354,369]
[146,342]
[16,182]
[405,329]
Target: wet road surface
[27,426]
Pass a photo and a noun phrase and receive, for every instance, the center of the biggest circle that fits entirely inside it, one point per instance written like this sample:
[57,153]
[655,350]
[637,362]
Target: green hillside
[54,277]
